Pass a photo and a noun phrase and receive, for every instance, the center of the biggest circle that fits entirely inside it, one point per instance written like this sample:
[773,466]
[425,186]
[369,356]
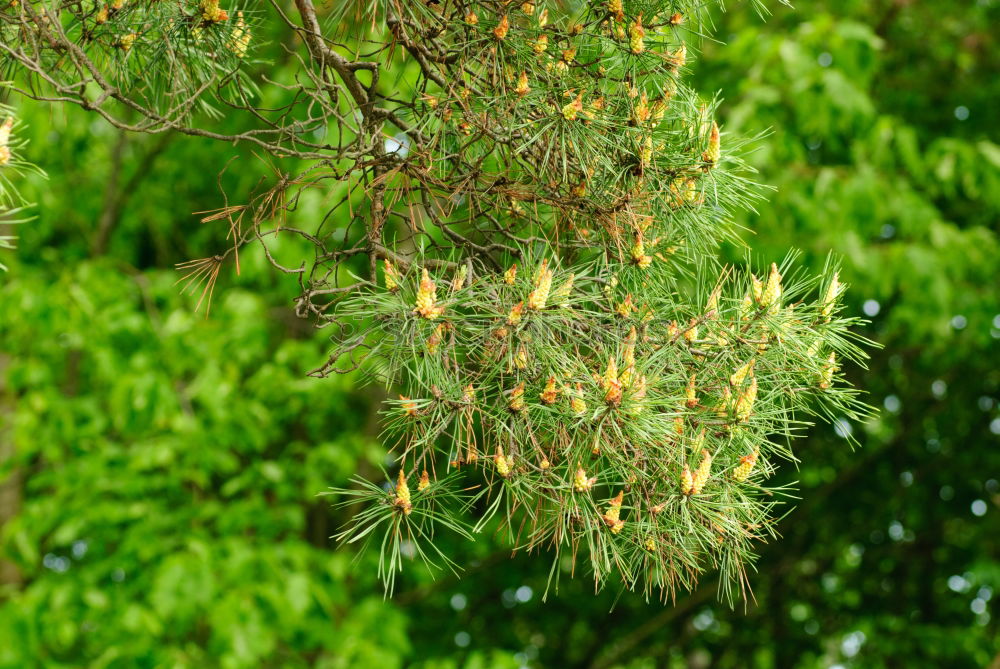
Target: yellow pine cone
[722,408]
[514,317]
[641,112]
[427,298]
[636,35]
[829,369]
[510,275]
[771,295]
[500,32]
[712,154]
[521,357]
[522,85]
[563,291]
[425,482]
[543,18]
[639,256]
[538,298]
[516,402]
[409,406]
[391,276]
[702,474]
[744,401]
[570,110]
[504,464]
[678,58]
[691,334]
[687,481]
[542,43]
[626,308]
[691,393]
[528,8]
[742,471]
[458,283]
[471,19]
[739,376]
[576,403]
[402,500]
[650,544]
[211,12]
[830,298]
[550,393]
[611,517]
[580,481]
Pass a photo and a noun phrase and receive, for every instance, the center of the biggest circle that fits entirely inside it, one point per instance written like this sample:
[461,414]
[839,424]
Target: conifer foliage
[523,203]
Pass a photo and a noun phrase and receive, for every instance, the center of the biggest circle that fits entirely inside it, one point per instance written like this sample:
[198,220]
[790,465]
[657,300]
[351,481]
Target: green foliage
[886,561]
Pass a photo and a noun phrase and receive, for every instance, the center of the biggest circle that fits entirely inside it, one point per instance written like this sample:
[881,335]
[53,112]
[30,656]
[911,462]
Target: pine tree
[523,203]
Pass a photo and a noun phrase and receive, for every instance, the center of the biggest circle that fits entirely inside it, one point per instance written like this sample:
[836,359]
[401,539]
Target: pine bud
[522,85]
[528,8]
[500,32]
[636,35]
[744,401]
[472,19]
[458,283]
[675,19]
[641,113]
[611,385]
[691,394]
[425,482]
[570,110]
[678,58]
[503,464]
[742,471]
[510,275]
[830,299]
[240,39]
[581,483]
[542,43]
[521,357]
[391,276]
[550,393]
[687,481]
[771,296]
[402,500]
[702,474]
[722,408]
[434,341]
[712,154]
[691,334]
[646,151]
[125,42]
[543,284]
[562,293]
[516,402]
[514,317]
[829,369]
[543,18]
[427,298]
[739,376]
[639,256]
[611,516]
[576,403]
[626,308]
[211,12]
[469,394]
[650,544]
[409,406]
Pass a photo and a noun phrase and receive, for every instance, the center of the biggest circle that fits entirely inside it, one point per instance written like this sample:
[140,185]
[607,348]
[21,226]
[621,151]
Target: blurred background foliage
[160,469]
